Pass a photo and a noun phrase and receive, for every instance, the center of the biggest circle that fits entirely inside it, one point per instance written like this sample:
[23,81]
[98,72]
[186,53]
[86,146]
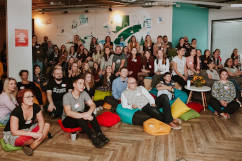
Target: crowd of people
[70,77]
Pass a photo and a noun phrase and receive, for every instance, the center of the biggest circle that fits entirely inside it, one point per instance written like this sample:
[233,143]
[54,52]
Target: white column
[19,18]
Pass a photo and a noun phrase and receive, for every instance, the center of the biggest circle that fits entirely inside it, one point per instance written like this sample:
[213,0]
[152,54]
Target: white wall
[53,22]
[215,14]
[19,16]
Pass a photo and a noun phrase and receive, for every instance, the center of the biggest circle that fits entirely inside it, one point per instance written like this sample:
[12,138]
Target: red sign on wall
[21,37]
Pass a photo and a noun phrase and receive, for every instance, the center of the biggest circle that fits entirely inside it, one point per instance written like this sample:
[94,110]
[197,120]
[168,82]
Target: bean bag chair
[100,95]
[154,91]
[108,119]
[178,108]
[132,117]
[212,109]
[191,114]
[179,94]
[195,106]
[69,130]
[8,147]
[125,114]
[155,127]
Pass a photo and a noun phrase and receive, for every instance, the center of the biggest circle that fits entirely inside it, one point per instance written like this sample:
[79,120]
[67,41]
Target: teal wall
[191,21]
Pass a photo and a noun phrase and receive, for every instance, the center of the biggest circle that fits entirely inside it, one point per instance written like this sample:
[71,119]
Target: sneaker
[103,138]
[27,150]
[174,126]
[96,141]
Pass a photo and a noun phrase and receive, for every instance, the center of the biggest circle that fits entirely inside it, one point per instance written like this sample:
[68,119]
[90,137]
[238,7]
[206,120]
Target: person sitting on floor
[8,99]
[166,86]
[26,84]
[56,88]
[75,115]
[138,97]
[26,126]
[224,94]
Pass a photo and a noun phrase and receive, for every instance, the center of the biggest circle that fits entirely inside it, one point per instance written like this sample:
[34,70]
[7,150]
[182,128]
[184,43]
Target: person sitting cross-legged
[76,115]
[138,97]
[26,126]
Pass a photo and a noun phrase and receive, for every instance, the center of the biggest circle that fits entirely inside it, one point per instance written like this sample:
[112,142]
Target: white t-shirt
[180,65]
[162,68]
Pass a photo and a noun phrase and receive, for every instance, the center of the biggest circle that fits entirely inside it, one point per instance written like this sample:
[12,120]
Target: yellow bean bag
[100,95]
[178,108]
[155,127]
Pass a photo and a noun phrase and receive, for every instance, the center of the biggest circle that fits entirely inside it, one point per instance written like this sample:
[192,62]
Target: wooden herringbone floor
[203,139]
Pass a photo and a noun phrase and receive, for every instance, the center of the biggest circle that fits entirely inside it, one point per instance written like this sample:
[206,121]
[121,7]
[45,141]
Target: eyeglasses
[29,97]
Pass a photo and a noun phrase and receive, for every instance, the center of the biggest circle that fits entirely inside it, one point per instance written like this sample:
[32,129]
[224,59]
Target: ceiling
[50,5]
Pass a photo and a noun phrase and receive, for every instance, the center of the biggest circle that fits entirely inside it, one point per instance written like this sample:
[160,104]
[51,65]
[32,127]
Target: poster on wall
[21,38]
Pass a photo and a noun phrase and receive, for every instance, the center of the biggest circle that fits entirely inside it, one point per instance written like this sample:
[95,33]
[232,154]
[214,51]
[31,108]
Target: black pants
[59,109]
[112,101]
[70,122]
[161,101]
[231,107]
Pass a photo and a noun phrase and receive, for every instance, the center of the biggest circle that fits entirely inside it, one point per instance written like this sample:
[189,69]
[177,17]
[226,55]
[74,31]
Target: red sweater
[134,65]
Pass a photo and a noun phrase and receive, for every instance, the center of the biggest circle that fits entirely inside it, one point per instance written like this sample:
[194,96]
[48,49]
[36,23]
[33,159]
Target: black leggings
[161,101]
[70,122]
[231,107]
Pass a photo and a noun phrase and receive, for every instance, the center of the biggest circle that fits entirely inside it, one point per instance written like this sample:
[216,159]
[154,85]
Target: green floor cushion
[100,95]
[125,114]
[8,147]
[191,114]
[1,125]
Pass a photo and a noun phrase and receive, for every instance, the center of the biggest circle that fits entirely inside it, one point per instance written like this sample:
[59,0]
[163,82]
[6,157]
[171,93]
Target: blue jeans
[5,120]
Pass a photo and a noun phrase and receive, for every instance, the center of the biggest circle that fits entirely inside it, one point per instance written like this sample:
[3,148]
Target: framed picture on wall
[21,37]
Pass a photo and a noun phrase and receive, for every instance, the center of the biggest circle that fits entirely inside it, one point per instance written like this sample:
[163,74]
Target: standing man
[37,53]
[56,88]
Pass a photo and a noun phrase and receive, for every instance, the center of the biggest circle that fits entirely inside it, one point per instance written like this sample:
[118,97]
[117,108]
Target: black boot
[96,141]
[103,138]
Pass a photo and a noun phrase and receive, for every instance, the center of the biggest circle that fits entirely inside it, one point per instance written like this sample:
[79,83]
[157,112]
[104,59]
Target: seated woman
[134,64]
[237,64]
[91,87]
[97,55]
[224,94]
[8,99]
[107,59]
[212,73]
[205,58]
[161,66]
[193,63]
[106,81]
[147,65]
[133,44]
[86,68]
[137,97]
[233,72]
[26,84]
[73,73]
[26,126]
[217,59]
[39,78]
[75,115]
[97,73]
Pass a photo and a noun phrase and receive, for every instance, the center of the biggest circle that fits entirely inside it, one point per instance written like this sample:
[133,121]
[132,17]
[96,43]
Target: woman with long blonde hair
[8,99]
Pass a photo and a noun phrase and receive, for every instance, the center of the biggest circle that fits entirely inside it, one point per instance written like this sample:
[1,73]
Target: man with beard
[56,88]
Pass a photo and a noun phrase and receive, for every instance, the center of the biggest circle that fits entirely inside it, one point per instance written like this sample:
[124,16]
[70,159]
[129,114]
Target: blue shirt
[118,87]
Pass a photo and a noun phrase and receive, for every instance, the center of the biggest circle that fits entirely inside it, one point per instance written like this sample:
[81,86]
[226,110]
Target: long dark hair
[194,59]
[105,55]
